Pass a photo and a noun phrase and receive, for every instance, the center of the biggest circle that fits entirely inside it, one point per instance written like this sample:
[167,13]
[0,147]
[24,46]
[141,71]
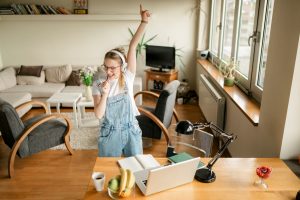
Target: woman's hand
[105,87]
[145,14]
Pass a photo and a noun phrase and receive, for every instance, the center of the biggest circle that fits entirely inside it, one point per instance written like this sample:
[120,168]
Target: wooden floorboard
[57,175]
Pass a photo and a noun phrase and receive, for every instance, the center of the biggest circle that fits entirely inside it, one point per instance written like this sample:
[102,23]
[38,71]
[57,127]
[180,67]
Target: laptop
[158,179]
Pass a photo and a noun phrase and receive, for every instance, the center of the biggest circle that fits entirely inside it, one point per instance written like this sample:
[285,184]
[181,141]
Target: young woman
[114,102]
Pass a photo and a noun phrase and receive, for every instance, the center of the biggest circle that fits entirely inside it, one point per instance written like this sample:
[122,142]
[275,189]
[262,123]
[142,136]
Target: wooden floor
[57,175]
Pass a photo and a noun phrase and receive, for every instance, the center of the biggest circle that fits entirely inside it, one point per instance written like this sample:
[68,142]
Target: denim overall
[120,131]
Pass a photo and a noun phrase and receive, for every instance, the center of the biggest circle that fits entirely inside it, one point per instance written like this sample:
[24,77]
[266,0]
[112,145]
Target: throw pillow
[31,80]
[30,70]
[58,74]
[74,79]
[7,78]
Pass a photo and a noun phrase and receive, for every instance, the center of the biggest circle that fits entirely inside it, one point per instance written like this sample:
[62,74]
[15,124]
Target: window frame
[247,84]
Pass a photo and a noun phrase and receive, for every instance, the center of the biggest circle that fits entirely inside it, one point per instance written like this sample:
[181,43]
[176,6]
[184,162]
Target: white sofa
[19,89]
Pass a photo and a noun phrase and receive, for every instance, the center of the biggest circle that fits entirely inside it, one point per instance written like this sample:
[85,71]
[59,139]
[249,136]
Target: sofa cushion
[74,89]
[16,99]
[30,70]
[31,80]
[74,79]
[46,90]
[7,78]
[58,74]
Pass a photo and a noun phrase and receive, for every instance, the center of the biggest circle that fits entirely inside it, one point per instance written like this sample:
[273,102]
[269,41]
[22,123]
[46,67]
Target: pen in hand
[103,83]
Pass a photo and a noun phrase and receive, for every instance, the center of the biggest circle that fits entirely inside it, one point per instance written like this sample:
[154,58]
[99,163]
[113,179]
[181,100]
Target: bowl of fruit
[121,186]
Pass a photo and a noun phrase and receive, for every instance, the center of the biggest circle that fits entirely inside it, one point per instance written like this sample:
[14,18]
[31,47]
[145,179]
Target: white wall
[291,138]
[1,64]
[85,42]
[204,25]
[278,132]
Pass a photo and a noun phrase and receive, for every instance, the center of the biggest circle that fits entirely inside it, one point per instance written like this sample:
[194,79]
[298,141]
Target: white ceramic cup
[99,180]
[180,100]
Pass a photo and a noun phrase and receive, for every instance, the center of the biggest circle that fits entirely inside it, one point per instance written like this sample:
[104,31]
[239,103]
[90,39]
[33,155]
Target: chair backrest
[166,102]
[203,140]
[11,127]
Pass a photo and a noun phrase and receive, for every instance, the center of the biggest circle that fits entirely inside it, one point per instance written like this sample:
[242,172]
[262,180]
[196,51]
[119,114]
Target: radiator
[211,102]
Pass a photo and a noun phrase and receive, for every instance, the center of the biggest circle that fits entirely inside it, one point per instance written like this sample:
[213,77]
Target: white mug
[180,100]
[99,180]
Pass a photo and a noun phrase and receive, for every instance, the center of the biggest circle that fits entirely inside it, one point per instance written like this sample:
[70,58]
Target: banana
[130,179]
[123,180]
[129,184]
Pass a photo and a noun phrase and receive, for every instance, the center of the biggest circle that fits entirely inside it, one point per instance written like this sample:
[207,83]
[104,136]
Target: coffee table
[82,121]
[59,98]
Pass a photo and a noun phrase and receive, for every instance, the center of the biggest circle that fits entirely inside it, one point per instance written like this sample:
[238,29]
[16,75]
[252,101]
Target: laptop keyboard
[145,182]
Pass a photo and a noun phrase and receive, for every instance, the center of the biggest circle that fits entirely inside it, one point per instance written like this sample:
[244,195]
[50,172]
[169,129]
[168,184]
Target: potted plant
[142,44]
[86,75]
[228,71]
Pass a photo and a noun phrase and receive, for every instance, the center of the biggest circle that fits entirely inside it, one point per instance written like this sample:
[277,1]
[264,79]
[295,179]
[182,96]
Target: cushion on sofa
[46,90]
[16,99]
[58,74]
[7,78]
[30,70]
[31,80]
[74,79]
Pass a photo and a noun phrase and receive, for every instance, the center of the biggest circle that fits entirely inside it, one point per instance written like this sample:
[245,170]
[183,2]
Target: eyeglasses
[106,68]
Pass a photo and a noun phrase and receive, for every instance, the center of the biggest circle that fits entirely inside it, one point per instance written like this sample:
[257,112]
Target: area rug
[83,137]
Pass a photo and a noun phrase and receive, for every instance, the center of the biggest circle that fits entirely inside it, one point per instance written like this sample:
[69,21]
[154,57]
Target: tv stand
[156,69]
[163,70]
[164,76]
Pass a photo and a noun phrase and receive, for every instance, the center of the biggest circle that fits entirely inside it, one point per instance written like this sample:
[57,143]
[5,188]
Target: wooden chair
[156,120]
[35,134]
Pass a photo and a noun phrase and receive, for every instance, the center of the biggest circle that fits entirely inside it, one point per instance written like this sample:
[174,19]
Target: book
[139,162]
[182,157]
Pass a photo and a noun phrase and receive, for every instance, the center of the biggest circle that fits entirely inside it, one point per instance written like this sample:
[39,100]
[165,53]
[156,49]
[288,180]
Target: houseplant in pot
[86,75]
[228,71]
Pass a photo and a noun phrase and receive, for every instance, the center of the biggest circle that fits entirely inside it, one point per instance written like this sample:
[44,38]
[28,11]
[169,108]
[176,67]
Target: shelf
[111,17]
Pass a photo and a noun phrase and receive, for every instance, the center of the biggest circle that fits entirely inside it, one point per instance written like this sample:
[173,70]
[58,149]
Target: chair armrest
[30,103]
[157,122]
[28,131]
[146,93]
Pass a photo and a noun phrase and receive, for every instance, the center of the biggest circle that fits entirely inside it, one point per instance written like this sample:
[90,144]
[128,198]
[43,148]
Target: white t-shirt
[115,89]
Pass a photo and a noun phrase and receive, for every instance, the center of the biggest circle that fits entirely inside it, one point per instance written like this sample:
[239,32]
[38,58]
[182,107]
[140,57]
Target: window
[240,29]
[228,29]
[216,27]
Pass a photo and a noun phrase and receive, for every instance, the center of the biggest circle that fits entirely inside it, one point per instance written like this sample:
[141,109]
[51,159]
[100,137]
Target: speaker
[203,54]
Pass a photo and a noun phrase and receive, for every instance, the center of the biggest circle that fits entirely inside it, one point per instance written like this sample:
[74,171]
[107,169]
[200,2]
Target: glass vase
[261,183]
[88,93]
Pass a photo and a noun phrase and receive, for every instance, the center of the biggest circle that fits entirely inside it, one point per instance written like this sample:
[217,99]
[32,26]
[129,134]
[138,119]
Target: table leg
[58,107]
[49,107]
[79,115]
[75,114]
[82,111]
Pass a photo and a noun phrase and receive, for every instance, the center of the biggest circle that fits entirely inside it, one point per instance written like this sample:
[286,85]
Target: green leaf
[142,41]
[151,39]
[131,32]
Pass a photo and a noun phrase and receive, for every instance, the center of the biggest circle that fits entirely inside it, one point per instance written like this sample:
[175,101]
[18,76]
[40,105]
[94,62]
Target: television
[161,58]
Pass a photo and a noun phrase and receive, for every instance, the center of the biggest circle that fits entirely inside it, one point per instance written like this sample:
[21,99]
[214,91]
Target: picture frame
[80,7]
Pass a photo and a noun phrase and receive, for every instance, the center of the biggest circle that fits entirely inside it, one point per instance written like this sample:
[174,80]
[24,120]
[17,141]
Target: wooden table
[165,77]
[235,180]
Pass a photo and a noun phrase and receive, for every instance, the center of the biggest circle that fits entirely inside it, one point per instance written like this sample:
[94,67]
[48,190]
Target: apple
[114,184]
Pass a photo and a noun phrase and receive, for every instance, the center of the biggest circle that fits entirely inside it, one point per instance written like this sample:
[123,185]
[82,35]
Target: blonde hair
[114,56]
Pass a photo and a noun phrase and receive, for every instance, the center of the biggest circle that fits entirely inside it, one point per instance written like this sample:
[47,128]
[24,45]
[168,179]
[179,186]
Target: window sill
[246,104]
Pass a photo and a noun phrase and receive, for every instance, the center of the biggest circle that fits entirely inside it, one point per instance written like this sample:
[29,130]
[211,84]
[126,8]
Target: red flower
[263,172]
